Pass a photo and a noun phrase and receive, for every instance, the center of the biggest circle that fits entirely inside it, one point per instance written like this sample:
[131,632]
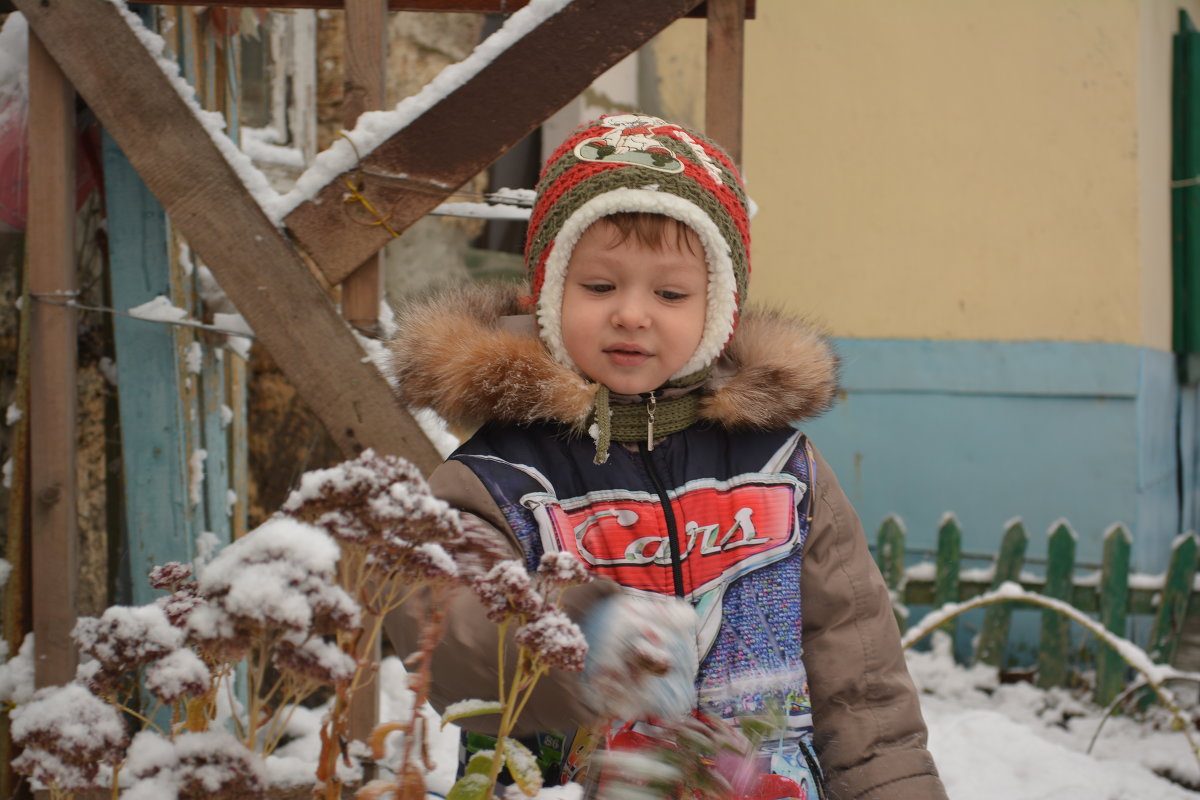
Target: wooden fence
[1112,593]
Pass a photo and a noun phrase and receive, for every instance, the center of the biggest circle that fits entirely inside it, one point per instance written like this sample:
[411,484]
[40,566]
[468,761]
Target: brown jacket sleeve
[464,662]
[870,736]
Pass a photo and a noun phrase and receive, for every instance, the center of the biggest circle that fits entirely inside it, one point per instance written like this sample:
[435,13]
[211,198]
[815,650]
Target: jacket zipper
[669,515]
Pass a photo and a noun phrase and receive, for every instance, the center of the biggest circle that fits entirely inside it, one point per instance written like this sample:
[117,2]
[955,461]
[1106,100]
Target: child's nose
[631,314]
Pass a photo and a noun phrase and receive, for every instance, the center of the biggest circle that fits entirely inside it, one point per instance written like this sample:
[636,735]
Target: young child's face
[632,315]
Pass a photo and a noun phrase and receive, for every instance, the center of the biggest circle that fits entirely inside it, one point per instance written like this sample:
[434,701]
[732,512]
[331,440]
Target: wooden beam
[723,75]
[472,126]
[446,6]
[255,264]
[160,524]
[365,62]
[52,276]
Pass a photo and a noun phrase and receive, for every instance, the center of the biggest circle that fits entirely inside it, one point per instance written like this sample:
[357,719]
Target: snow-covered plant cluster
[528,606]
[267,602]
[288,609]
[397,539]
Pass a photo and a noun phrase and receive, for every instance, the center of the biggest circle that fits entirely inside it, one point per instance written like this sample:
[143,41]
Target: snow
[194,765]
[471,708]
[160,309]
[482,211]
[67,732]
[194,357]
[1062,522]
[16,675]
[124,637]
[375,127]
[196,475]
[314,657]
[998,742]
[7,473]
[281,574]
[176,674]
[214,123]
[12,415]
[207,545]
[108,368]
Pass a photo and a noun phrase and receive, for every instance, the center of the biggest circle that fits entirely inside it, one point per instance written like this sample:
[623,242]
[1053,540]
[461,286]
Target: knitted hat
[636,163]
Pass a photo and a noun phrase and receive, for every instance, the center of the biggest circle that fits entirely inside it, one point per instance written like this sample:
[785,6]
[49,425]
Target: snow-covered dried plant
[530,607]
[193,766]
[271,597]
[382,511]
[396,538]
[71,740]
[122,640]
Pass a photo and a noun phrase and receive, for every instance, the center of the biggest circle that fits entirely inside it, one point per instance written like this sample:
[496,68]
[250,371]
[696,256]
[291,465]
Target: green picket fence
[1109,594]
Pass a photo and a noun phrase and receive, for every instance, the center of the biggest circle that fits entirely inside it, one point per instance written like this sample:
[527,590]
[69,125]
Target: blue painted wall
[996,430]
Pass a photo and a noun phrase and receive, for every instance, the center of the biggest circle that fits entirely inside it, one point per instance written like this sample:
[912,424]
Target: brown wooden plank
[51,262]
[258,268]
[448,6]
[723,75]
[364,90]
[365,63]
[472,126]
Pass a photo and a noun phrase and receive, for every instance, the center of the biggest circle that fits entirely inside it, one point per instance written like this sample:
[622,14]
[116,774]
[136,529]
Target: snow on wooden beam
[470,127]
[207,201]
[453,6]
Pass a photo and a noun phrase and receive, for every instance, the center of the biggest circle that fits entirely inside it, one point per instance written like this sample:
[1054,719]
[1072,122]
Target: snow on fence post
[994,633]
[1056,629]
[1172,609]
[1114,600]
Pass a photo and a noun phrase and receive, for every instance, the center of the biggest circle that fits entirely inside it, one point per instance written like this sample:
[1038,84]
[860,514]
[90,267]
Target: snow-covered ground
[1016,742]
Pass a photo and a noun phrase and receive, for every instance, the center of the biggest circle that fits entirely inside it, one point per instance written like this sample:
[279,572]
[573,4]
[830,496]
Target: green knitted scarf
[644,422]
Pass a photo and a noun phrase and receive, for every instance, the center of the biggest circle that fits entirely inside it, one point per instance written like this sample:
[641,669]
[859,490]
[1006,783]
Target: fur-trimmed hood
[472,354]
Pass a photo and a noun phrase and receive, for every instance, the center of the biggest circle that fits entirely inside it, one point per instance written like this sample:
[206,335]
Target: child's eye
[667,294]
[598,288]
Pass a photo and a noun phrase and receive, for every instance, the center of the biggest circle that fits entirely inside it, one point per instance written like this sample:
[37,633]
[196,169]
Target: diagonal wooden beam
[258,268]
[472,126]
[448,6]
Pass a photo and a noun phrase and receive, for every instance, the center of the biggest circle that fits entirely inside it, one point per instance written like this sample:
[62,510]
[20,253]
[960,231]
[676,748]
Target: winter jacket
[763,524]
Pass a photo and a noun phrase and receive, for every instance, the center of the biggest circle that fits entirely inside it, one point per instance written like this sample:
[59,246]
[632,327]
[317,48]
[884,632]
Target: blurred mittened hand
[642,658]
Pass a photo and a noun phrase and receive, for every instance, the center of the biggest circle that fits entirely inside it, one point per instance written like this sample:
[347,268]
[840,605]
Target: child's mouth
[626,356]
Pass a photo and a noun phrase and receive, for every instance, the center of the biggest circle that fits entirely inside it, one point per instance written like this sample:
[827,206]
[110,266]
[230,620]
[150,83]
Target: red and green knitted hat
[636,163]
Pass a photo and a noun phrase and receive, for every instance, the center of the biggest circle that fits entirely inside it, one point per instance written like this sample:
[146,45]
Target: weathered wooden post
[50,242]
[1113,603]
[994,635]
[949,556]
[1056,629]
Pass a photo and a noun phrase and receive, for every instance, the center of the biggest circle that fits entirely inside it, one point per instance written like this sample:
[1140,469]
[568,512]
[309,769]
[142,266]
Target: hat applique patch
[630,140]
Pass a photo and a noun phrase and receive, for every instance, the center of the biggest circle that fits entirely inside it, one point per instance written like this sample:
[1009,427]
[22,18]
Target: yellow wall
[969,169]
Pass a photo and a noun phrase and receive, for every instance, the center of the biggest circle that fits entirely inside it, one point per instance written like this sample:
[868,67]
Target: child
[641,420]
